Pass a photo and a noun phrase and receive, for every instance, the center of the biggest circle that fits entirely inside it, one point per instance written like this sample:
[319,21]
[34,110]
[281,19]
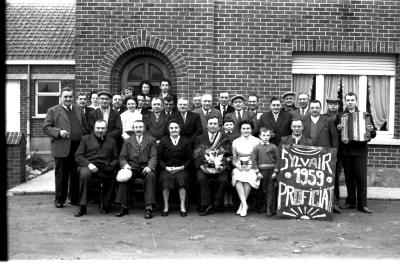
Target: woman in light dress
[243,176]
[129,116]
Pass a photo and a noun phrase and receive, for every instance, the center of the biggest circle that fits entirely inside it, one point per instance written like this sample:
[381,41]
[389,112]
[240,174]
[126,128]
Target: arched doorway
[144,68]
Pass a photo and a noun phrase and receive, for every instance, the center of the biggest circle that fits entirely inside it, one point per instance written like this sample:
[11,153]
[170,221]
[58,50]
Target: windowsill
[383,141]
[39,117]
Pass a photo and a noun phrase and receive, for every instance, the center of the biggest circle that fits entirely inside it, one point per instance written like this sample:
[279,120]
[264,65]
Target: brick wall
[387,156]
[16,156]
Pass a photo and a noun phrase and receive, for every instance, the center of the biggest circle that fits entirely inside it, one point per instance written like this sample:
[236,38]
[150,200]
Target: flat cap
[238,97]
[332,100]
[288,94]
[104,93]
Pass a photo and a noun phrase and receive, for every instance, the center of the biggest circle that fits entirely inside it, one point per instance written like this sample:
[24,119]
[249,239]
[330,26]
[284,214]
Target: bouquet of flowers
[213,157]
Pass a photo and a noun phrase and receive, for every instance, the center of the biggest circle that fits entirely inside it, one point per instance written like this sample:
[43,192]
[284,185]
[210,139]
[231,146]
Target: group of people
[218,153]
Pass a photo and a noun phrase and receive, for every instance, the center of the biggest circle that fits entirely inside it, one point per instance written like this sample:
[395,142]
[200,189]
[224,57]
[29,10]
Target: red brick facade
[239,46]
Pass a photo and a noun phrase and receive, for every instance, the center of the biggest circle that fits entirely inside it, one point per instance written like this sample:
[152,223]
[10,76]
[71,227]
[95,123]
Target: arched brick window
[144,68]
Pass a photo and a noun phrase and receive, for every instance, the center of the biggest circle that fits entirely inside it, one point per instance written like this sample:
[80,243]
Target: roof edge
[40,62]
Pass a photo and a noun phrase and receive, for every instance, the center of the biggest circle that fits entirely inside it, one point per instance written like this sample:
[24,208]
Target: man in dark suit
[239,114]
[252,103]
[189,121]
[139,154]
[156,122]
[206,110]
[354,155]
[96,158]
[209,175]
[165,89]
[276,120]
[118,104]
[169,106]
[65,124]
[82,102]
[304,109]
[297,137]
[223,104]
[113,119]
[323,133]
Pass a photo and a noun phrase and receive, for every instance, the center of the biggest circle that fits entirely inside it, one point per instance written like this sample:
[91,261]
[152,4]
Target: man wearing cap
[240,114]
[65,124]
[112,118]
[276,120]
[333,105]
[304,109]
[253,105]
[288,101]
[206,110]
[96,158]
[223,104]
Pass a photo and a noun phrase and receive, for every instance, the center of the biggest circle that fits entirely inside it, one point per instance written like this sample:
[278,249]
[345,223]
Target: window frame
[42,94]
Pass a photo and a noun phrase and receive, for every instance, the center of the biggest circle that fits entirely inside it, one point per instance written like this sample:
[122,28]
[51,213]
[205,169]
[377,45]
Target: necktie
[239,117]
[69,108]
[157,117]
[139,139]
[212,138]
[223,109]
[302,112]
[184,117]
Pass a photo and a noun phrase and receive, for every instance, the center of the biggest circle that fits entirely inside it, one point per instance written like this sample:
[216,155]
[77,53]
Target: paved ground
[37,230]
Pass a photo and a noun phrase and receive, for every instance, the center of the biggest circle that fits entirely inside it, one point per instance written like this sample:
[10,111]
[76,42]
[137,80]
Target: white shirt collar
[65,107]
[314,119]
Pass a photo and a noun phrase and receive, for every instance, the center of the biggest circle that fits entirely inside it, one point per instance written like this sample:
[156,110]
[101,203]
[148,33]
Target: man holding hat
[289,101]
[112,117]
[240,114]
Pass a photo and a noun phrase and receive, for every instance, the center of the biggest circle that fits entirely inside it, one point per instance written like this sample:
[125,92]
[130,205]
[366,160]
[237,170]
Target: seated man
[297,137]
[139,154]
[96,157]
[211,170]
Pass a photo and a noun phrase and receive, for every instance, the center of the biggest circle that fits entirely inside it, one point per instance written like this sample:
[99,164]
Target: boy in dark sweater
[265,163]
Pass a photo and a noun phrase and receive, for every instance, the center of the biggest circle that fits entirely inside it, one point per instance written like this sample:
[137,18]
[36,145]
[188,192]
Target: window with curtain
[373,93]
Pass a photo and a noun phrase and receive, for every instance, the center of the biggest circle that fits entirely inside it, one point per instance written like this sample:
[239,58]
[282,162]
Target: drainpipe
[28,109]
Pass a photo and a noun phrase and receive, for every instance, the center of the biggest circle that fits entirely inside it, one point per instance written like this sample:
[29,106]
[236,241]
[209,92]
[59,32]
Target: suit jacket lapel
[93,141]
[63,113]
[78,113]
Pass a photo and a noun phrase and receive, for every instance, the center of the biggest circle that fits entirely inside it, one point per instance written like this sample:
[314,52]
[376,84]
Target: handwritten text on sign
[306,181]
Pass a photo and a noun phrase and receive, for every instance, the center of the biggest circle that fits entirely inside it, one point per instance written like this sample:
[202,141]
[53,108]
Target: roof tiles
[40,31]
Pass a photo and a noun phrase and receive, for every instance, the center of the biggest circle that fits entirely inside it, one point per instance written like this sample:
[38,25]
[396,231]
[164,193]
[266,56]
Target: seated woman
[129,116]
[243,176]
[174,153]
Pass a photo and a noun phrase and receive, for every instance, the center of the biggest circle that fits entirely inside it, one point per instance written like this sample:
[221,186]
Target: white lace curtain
[379,95]
[303,84]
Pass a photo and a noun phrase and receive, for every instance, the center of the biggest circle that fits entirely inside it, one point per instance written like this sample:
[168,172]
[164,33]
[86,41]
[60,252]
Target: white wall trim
[53,76]
[16,76]
[40,62]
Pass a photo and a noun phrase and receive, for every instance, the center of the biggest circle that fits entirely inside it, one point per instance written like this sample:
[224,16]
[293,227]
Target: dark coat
[157,129]
[326,130]
[203,139]
[192,127]
[281,127]
[228,109]
[297,116]
[139,157]
[105,158]
[114,126]
[56,120]
[250,116]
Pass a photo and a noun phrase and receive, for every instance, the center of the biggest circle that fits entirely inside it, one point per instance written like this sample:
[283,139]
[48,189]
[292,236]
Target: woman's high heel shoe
[239,211]
[243,213]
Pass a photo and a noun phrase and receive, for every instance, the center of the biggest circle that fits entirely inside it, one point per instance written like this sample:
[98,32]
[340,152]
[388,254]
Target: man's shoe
[336,209]
[365,210]
[148,214]
[183,214]
[348,206]
[207,211]
[164,213]
[81,211]
[59,205]
[122,211]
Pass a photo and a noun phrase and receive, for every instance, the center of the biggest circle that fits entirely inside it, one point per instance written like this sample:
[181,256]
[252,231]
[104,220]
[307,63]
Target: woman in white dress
[243,176]
[129,116]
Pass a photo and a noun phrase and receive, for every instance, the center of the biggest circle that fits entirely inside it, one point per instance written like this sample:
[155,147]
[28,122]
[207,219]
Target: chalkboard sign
[306,181]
